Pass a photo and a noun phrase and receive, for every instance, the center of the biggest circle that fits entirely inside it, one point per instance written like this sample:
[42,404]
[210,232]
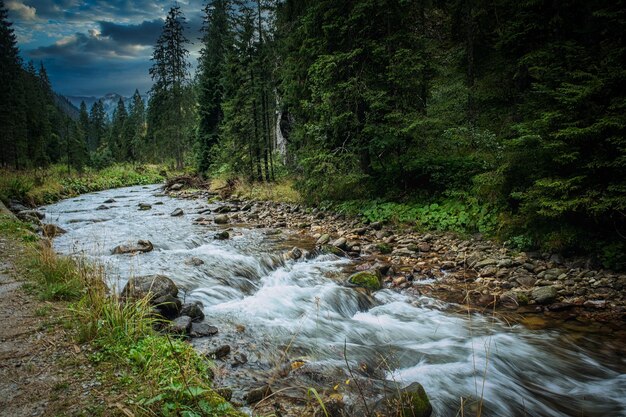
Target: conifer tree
[97,126]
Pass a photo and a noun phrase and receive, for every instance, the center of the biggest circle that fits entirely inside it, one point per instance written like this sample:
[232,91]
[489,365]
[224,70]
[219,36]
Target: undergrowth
[45,186]
[159,374]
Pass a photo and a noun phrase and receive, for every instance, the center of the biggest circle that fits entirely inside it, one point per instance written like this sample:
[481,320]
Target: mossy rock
[366,279]
[411,401]
[326,249]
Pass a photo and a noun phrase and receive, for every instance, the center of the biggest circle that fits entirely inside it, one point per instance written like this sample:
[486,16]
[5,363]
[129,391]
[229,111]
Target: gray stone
[525,280]
[221,219]
[544,295]
[177,212]
[167,305]
[223,235]
[153,286]
[181,325]
[144,206]
[193,310]
[485,262]
[341,243]
[202,330]
[141,246]
[221,352]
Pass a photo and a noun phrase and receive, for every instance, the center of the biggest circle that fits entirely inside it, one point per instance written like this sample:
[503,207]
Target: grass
[158,374]
[280,191]
[46,186]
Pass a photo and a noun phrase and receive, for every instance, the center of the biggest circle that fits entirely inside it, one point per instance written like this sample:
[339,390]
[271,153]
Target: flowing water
[274,311]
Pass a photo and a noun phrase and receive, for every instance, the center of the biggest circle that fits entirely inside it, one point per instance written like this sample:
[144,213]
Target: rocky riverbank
[471,272]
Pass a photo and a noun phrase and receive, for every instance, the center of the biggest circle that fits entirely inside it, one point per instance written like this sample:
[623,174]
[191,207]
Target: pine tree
[215,40]
[12,118]
[135,127]
[171,103]
[118,143]
[97,124]
[83,121]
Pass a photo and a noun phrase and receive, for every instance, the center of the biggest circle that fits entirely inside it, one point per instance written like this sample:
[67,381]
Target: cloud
[22,11]
[82,49]
[145,33]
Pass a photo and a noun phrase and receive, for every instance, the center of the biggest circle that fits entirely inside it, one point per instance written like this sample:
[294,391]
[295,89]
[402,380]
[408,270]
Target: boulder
[167,305]
[153,286]
[221,219]
[141,246]
[544,295]
[176,187]
[202,330]
[193,310]
[410,401]
[424,247]
[181,325]
[366,279]
[144,206]
[52,230]
[178,212]
[330,249]
[109,201]
[295,253]
[221,235]
[193,261]
[341,243]
[102,207]
[324,239]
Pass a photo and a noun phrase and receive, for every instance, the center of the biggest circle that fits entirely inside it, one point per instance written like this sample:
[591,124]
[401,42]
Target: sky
[95,47]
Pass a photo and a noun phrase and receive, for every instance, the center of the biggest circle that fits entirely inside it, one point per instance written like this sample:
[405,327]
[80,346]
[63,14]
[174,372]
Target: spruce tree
[216,39]
[97,125]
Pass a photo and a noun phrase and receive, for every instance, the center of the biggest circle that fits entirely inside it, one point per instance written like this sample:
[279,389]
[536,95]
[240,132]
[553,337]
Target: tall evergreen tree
[171,103]
[216,39]
[135,127]
[97,125]
[12,118]
[118,142]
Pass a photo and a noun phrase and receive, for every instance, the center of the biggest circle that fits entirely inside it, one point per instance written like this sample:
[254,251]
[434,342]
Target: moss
[332,249]
[384,248]
[411,401]
[365,279]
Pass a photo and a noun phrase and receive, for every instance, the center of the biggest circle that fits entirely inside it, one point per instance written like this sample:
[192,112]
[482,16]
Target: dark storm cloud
[145,33]
[85,49]
[98,46]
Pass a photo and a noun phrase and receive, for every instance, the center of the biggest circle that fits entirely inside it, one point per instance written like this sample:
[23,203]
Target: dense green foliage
[503,117]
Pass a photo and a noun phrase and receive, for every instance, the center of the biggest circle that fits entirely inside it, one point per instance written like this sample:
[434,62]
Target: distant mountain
[108,100]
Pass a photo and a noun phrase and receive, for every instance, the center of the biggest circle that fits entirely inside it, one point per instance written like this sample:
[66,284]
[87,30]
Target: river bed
[278,313]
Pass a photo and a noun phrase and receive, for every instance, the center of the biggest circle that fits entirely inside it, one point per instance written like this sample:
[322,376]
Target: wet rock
[239,359]
[544,295]
[221,219]
[178,212]
[341,243]
[203,330]
[102,207]
[220,353]
[410,401]
[152,286]
[193,261]
[167,305]
[222,235]
[144,206]
[330,249]
[366,279]
[176,187]
[560,306]
[295,254]
[109,201]
[257,394]
[193,310]
[141,246]
[52,230]
[181,325]
[223,209]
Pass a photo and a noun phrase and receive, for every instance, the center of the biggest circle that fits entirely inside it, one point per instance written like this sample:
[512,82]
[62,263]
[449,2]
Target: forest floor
[42,371]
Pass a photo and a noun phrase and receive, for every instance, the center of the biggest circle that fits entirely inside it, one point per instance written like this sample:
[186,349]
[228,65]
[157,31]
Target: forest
[505,117]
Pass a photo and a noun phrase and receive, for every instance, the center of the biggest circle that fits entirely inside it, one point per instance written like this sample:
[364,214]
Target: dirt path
[42,372]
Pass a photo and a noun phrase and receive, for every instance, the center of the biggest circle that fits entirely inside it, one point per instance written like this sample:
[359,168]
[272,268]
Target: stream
[276,311]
